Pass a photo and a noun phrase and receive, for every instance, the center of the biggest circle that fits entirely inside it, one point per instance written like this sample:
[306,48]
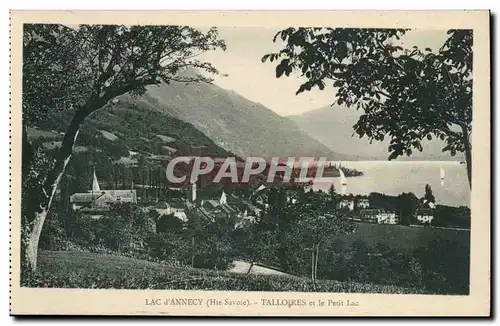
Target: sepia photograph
[251,159]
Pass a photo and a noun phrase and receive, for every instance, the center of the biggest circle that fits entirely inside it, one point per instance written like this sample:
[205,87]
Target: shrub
[53,236]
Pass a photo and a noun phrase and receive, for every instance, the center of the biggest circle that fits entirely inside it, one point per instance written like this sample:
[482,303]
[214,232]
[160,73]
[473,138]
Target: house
[425,215]
[227,207]
[97,199]
[212,209]
[370,214]
[379,216]
[219,209]
[181,216]
[387,217]
[162,208]
[176,208]
[363,203]
[346,203]
[245,219]
[428,204]
[195,210]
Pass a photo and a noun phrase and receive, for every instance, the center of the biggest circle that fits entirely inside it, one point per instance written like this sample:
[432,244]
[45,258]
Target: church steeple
[95,184]
[223,198]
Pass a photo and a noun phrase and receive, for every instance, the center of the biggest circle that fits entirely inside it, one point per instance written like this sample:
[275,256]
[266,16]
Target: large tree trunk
[33,222]
[35,219]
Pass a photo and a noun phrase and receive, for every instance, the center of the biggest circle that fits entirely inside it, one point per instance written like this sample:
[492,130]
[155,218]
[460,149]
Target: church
[100,200]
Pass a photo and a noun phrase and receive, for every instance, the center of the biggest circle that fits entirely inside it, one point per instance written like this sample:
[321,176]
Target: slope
[231,121]
[124,142]
[333,126]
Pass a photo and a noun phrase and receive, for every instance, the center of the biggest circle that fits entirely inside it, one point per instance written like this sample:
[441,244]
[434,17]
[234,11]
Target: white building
[379,216]
[176,209]
[181,216]
[425,215]
[346,204]
[363,203]
[162,208]
[97,199]
[223,198]
[387,217]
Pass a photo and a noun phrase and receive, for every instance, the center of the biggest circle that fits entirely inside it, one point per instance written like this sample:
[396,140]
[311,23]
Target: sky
[256,81]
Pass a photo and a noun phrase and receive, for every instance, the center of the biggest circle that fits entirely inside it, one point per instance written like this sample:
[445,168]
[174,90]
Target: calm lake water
[393,178]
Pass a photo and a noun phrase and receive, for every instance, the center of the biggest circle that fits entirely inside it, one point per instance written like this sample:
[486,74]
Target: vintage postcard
[250,163]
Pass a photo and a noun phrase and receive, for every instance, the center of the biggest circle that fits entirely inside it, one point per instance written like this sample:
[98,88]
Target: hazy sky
[256,81]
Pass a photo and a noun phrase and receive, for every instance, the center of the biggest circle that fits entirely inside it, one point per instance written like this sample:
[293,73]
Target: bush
[53,236]
[441,267]
[445,266]
[168,223]
[167,246]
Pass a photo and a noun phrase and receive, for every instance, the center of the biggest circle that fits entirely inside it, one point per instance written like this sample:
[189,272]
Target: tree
[314,227]
[407,205]
[406,94]
[169,223]
[127,227]
[279,220]
[210,242]
[332,193]
[82,69]
[429,196]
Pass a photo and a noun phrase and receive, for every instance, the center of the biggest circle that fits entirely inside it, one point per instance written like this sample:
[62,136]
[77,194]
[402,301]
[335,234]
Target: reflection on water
[393,178]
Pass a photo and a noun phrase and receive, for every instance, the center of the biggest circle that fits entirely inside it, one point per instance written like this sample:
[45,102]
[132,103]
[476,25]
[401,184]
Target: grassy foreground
[72,269]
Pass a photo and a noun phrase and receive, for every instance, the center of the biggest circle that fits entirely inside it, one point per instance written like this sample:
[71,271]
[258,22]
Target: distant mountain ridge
[333,126]
[233,122]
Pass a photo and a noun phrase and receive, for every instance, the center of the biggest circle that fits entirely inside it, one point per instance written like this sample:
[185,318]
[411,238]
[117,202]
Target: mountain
[124,142]
[333,126]
[127,129]
[142,133]
[234,123]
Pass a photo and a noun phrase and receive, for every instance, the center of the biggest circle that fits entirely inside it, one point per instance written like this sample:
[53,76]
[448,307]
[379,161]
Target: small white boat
[343,182]
[441,175]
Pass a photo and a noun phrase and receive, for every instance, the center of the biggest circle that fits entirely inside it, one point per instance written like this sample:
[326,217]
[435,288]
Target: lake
[395,177]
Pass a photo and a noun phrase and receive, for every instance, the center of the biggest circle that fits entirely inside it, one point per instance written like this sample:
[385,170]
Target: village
[242,211]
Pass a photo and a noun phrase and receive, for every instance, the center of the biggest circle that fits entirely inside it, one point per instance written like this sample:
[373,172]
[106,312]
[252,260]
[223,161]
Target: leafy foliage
[408,203]
[406,94]
[452,216]
[81,69]
[66,67]
[316,220]
[318,223]
[429,196]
